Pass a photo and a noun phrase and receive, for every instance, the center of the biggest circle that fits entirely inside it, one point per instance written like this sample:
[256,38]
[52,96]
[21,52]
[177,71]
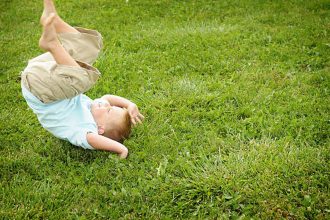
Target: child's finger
[138,120]
[141,116]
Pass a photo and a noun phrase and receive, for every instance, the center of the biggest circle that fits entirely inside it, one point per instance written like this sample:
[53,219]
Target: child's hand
[133,111]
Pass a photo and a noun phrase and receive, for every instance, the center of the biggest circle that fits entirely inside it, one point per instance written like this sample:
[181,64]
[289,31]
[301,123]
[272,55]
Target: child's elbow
[124,153]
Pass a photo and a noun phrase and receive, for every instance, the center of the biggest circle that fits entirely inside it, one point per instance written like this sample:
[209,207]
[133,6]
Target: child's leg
[82,44]
[65,78]
[50,43]
[72,50]
[59,24]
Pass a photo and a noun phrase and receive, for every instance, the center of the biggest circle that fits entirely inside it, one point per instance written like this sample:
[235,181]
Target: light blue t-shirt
[68,119]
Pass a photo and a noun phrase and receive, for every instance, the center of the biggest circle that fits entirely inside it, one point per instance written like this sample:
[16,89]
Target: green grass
[236,99]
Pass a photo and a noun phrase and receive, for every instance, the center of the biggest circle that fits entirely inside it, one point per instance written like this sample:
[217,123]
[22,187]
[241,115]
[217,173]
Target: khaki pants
[50,82]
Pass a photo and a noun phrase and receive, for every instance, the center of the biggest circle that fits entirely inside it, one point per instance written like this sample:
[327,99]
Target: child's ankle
[52,46]
[49,46]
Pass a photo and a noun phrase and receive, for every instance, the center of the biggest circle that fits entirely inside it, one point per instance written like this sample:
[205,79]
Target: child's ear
[100,129]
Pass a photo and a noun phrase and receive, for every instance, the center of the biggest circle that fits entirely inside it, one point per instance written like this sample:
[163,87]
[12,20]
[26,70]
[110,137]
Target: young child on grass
[54,82]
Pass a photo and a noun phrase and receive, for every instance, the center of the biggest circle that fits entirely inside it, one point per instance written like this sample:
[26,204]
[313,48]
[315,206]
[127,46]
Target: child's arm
[100,142]
[133,111]
[117,101]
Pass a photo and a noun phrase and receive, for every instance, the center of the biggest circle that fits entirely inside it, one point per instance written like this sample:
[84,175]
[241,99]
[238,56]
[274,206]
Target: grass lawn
[236,99]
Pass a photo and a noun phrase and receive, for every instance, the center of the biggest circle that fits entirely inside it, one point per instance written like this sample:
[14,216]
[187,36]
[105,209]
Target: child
[53,83]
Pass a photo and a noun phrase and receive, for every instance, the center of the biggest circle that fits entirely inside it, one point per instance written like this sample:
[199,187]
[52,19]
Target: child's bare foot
[48,38]
[49,8]
[60,25]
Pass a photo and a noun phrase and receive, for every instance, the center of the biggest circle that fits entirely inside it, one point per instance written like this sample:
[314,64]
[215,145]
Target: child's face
[104,114]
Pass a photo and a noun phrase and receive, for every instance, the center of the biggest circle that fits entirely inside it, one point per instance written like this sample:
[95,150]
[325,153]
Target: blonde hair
[120,131]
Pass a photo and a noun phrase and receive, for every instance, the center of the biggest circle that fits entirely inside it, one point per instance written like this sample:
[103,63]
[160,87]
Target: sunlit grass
[236,99]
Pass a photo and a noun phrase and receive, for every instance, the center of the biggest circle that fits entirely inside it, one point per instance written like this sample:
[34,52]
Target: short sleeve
[85,143]
[80,138]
